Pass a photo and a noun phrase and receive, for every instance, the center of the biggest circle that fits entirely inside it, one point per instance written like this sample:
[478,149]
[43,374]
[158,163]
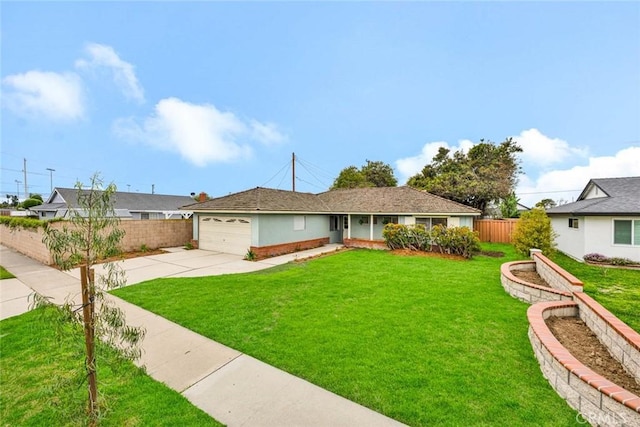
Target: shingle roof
[383,200]
[391,200]
[623,199]
[136,202]
[264,199]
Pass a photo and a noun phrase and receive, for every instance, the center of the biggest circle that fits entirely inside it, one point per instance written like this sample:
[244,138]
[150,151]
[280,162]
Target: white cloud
[568,183]
[202,134]
[266,133]
[540,150]
[57,96]
[410,166]
[123,72]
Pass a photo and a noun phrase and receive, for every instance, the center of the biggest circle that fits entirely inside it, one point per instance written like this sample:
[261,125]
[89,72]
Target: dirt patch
[408,252]
[531,277]
[583,344]
[492,254]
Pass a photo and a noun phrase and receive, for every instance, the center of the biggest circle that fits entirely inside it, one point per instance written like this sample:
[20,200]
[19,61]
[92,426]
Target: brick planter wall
[599,401]
[365,244]
[287,248]
[153,234]
[525,291]
[622,342]
[554,275]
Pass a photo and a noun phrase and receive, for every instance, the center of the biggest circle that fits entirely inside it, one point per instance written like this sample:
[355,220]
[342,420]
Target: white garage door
[230,235]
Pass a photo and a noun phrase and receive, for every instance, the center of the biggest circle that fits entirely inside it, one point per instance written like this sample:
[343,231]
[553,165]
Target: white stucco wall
[594,235]
[570,240]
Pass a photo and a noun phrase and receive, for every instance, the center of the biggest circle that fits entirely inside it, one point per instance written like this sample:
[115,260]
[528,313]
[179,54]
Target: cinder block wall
[154,234]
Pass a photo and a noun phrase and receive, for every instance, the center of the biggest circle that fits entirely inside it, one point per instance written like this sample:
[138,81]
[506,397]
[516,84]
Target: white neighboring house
[127,205]
[605,219]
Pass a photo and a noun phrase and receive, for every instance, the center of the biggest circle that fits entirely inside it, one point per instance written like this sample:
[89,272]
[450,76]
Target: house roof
[622,197]
[264,199]
[391,200]
[382,200]
[133,202]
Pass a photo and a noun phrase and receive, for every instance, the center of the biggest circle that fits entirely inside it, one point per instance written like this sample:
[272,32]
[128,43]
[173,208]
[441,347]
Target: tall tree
[373,174]
[91,235]
[488,172]
[546,204]
[509,206]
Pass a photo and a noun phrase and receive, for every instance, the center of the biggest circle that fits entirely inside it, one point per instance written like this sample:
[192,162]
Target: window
[573,222]
[334,223]
[430,222]
[626,232]
[299,222]
[363,220]
[390,220]
[144,215]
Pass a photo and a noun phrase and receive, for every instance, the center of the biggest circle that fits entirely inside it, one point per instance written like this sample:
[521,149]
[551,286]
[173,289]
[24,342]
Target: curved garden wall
[599,400]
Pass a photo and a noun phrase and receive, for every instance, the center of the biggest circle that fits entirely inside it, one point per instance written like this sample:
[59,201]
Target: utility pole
[293,171]
[26,189]
[51,171]
[153,189]
[128,188]
[18,187]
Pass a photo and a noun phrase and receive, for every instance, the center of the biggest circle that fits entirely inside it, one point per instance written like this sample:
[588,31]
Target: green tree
[379,174]
[488,172]
[533,231]
[30,202]
[546,204]
[36,196]
[373,174]
[509,206]
[92,235]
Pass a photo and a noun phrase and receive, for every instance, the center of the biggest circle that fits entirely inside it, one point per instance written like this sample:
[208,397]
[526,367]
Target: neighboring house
[271,222]
[126,205]
[605,219]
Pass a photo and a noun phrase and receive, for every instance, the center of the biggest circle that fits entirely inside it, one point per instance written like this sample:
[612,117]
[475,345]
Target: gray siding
[278,229]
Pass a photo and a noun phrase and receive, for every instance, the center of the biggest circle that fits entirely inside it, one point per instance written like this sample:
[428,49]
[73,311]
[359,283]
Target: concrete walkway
[232,387]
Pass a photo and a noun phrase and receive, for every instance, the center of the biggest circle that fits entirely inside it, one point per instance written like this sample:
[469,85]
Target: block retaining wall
[262,252]
[554,275]
[154,234]
[525,291]
[599,401]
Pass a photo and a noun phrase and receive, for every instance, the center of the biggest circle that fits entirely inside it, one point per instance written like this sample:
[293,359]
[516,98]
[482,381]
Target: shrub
[398,236]
[595,258]
[533,230]
[14,222]
[456,240]
[250,255]
[452,240]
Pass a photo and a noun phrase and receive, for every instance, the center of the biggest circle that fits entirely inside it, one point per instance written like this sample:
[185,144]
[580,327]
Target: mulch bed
[408,252]
[531,277]
[583,344]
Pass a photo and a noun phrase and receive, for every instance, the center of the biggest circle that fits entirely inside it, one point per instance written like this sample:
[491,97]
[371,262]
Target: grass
[426,341]
[4,274]
[43,382]
[616,289]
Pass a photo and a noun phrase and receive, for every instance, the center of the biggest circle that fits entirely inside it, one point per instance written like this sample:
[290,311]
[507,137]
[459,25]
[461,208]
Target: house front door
[335,229]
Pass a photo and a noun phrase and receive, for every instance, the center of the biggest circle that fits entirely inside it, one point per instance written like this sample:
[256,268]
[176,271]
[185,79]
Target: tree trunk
[86,281]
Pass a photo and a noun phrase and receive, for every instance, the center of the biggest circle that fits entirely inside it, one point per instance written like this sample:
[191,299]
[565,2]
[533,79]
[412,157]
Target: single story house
[272,222]
[127,205]
[605,219]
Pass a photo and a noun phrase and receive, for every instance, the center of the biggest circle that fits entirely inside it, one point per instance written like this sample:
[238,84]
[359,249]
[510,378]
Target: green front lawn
[4,274]
[426,341]
[42,381]
[617,289]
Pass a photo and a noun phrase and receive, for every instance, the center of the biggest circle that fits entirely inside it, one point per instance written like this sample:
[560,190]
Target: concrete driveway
[179,262]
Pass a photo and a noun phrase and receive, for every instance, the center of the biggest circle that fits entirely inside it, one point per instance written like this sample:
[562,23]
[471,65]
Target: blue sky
[215,97]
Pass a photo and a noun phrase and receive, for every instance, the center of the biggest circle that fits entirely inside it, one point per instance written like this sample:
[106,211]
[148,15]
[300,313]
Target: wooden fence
[495,230]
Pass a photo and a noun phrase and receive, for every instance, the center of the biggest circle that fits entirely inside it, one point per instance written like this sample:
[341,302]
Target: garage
[230,235]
